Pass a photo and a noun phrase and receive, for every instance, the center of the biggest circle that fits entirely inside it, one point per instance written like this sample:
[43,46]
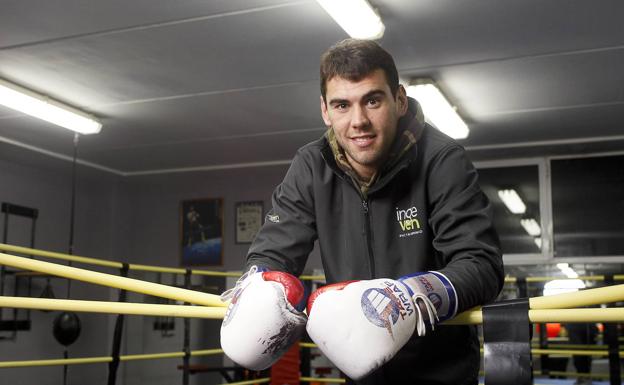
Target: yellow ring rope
[573,346]
[113,264]
[161,269]
[560,373]
[577,352]
[216,309]
[598,278]
[569,352]
[561,352]
[475,317]
[580,298]
[114,281]
[249,382]
[65,257]
[96,360]
[571,374]
[197,353]
[567,300]
[587,297]
[129,308]
[320,379]
[131,266]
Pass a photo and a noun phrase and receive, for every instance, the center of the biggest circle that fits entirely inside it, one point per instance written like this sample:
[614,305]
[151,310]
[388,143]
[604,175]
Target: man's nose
[359,117]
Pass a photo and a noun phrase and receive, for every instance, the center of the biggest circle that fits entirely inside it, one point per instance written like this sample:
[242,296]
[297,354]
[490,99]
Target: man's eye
[373,102]
[340,106]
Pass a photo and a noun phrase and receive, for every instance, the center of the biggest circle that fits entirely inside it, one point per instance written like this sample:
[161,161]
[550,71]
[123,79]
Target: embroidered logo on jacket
[273,218]
[408,221]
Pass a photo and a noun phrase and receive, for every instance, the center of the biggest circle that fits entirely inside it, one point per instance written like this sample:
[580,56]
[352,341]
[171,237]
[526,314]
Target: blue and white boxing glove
[261,321]
[361,325]
[434,296]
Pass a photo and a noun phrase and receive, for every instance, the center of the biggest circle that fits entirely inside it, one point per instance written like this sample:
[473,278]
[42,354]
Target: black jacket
[426,213]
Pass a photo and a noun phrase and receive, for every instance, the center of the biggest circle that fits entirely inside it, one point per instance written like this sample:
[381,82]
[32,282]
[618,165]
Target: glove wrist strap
[241,282]
[436,288]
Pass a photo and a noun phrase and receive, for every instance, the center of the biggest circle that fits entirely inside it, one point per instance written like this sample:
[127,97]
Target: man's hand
[261,322]
[360,325]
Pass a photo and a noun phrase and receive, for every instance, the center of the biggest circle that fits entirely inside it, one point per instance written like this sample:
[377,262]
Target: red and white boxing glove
[261,322]
[360,325]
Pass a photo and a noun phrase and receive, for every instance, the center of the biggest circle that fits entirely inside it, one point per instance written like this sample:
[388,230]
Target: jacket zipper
[367,218]
[367,224]
[367,227]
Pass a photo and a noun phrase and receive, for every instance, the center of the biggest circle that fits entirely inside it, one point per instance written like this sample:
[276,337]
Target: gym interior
[203,105]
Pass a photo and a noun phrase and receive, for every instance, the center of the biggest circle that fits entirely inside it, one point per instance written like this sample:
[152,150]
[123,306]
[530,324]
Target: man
[386,196]
[194,227]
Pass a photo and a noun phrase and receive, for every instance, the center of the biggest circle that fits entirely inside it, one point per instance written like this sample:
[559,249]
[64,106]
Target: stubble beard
[369,158]
[372,158]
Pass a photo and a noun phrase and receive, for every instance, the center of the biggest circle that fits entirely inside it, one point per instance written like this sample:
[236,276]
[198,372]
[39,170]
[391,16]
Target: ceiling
[204,84]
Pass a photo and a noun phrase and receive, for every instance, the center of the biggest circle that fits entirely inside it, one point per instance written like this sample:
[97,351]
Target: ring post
[187,334]
[507,343]
[119,322]
[611,338]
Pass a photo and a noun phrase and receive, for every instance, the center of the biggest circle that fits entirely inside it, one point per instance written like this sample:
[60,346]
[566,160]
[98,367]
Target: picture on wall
[248,220]
[201,232]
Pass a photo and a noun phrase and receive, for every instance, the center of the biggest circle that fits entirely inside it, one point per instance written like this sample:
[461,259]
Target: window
[588,206]
[519,232]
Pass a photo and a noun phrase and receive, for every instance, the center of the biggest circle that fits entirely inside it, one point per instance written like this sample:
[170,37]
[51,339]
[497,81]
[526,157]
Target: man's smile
[363,141]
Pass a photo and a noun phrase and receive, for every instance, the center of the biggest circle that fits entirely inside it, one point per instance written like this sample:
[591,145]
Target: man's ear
[401,99]
[325,113]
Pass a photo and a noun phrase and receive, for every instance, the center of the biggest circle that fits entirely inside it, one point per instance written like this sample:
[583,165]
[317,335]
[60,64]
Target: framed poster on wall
[248,220]
[201,232]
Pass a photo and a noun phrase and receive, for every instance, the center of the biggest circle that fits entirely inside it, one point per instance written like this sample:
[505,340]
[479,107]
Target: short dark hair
[353,59]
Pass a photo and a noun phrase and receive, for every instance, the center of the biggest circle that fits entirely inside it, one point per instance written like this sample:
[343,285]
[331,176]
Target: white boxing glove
[360,325]
[261,322]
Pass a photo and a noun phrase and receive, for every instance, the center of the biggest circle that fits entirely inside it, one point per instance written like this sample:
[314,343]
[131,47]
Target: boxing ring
[556,308]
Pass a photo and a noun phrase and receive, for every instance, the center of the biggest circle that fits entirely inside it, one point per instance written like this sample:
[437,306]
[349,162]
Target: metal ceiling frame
[281,162]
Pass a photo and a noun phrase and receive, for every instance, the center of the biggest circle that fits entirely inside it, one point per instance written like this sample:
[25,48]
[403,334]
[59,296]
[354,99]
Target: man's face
[364,116]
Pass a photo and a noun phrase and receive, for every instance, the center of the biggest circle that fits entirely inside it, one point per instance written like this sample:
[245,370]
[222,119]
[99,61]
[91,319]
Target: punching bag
[66,328]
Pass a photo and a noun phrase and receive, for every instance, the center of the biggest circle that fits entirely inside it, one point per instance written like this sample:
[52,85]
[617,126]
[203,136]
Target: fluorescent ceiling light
[356,17]
[42,107]
[512,200]
[538,242]
[438,111]
[559,286]
[531,227]
[567,270]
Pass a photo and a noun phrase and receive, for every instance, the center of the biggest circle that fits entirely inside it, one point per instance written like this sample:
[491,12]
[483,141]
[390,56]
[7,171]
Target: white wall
[49,190]
[146,230]
[147,226]
[133,220]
